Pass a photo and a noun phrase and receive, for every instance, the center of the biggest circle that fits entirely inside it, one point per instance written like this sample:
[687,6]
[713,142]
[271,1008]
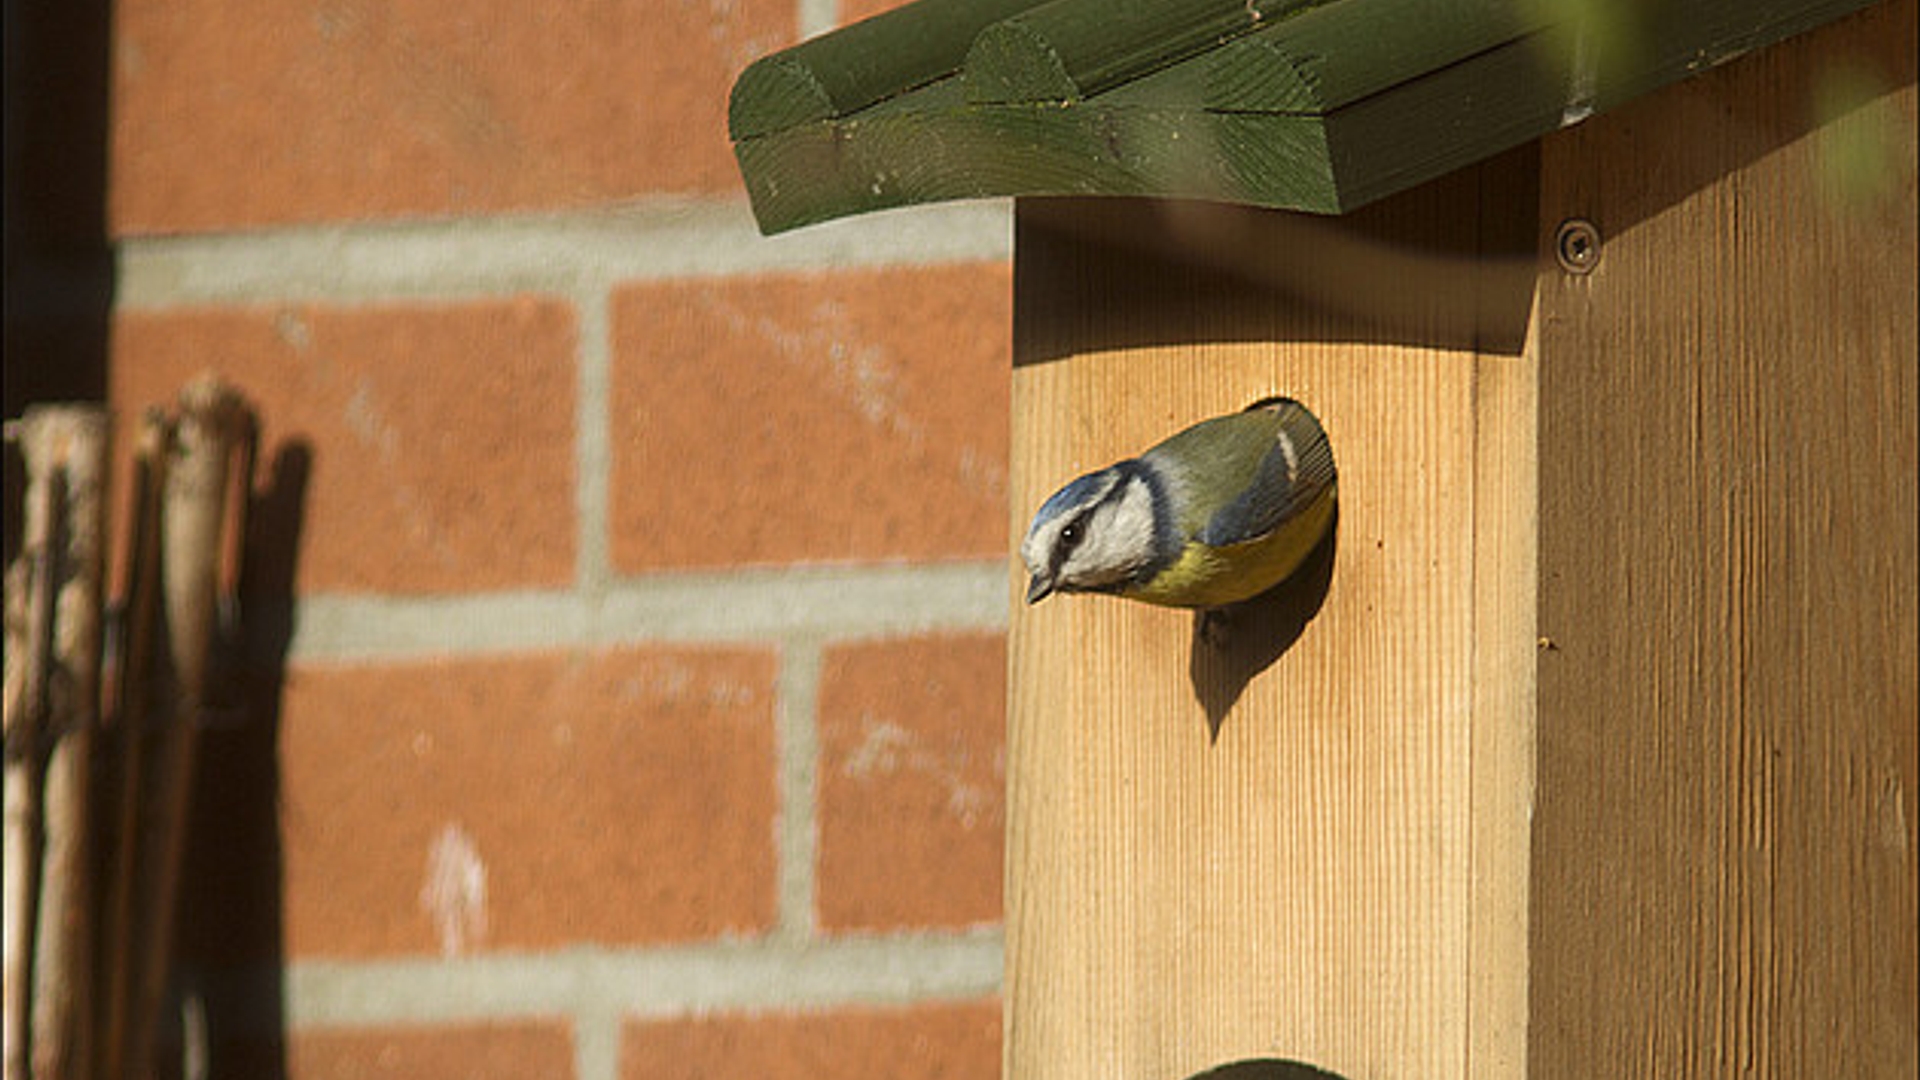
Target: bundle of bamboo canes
[102,718]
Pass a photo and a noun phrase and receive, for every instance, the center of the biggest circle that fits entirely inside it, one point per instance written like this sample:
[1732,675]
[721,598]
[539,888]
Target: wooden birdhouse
[1585,746]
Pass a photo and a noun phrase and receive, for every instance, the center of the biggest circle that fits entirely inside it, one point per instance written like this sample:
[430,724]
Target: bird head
[1094,534]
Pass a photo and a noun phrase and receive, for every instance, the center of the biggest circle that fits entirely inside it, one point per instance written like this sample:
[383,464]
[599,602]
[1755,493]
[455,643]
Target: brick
[802,418]
[534,802]
[912,782]
[434,443]
[230,115]
[499,1051]
[958,1041]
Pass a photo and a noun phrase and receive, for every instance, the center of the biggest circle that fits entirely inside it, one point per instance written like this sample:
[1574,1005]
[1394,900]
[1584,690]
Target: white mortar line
[378,263]
[817,16]
[592,455]
[596,1042]
[798,827]
[901,970]
[596,1027]
[745,606]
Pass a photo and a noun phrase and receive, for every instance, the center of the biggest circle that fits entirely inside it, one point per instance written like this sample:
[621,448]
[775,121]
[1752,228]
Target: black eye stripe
[1070,536]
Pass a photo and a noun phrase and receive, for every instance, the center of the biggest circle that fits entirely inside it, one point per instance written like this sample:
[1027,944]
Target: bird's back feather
[1273,468]
[1296,467]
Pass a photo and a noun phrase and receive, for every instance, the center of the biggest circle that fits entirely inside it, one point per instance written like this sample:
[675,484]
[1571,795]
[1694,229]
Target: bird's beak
[1039,587]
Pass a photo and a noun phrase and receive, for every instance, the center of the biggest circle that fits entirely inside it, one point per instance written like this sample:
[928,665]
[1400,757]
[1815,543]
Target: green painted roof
[1320,106]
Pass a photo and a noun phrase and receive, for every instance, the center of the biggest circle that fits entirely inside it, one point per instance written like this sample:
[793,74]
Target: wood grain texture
[1312,883]
[1725,832]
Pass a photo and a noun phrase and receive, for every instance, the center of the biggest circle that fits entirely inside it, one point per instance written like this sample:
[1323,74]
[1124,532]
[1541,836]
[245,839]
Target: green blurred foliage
[1864,144]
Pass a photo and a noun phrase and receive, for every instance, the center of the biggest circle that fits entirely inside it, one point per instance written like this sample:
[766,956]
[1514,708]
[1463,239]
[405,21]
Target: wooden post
[1724,841]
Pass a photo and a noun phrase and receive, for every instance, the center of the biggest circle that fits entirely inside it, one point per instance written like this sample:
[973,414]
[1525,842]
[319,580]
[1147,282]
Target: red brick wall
[641,705]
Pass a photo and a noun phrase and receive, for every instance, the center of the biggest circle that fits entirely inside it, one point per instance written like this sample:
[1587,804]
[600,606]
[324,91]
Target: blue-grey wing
[1293,472]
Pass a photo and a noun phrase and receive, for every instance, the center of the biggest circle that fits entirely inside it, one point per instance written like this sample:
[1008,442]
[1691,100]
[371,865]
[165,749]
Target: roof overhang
[1281,103]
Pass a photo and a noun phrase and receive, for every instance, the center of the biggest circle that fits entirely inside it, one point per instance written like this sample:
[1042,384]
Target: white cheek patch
[1119,540]
[1060,510]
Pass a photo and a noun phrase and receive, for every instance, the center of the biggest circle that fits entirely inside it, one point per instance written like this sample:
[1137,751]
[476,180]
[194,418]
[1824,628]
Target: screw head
[1576,246]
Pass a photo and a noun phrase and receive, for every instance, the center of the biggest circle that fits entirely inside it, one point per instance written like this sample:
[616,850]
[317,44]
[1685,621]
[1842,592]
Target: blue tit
[1216,514]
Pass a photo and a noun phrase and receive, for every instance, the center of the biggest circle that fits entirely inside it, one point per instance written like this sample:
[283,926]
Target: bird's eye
[1070,537]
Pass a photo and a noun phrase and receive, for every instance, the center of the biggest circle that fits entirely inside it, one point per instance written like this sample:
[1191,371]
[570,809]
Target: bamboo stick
[74,440]
[29,628]
[52,708]
[22,808]
[131,717]
[198,481]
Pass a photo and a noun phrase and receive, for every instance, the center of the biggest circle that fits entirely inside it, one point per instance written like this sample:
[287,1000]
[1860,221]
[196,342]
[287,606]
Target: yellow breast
[1206,576]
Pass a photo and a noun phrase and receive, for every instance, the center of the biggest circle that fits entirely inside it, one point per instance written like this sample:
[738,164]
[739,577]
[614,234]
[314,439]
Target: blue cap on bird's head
[1082,490]
[1040,549]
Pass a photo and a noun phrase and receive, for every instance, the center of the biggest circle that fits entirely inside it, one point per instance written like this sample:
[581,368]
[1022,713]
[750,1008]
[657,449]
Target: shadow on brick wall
[59,268]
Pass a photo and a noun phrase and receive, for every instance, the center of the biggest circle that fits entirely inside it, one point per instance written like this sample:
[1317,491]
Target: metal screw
[1577,246]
